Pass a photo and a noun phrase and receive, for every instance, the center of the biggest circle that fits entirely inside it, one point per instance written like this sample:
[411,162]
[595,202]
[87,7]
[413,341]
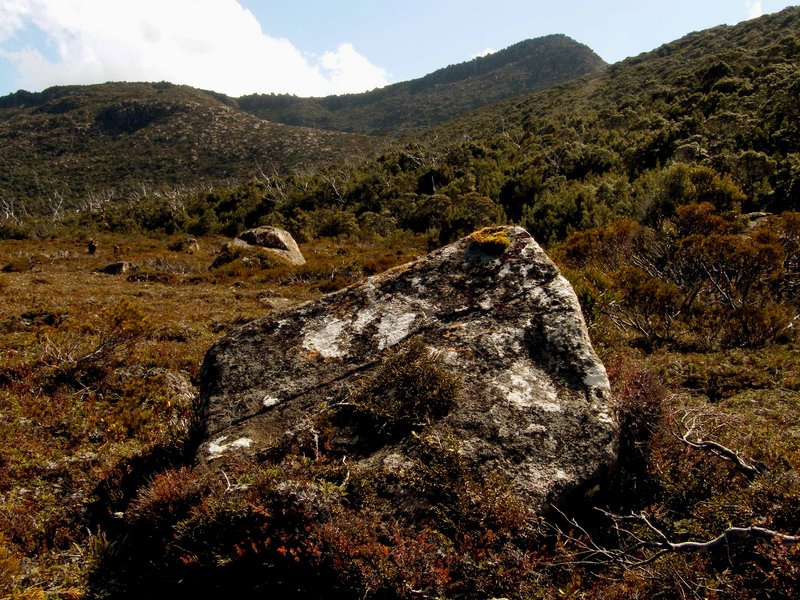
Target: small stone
[116,268]
[191,245]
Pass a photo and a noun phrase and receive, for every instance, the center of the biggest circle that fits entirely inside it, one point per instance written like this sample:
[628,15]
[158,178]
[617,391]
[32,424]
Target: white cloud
[11,15]
[486,52]
[212,44]
[348,69]
[755,8]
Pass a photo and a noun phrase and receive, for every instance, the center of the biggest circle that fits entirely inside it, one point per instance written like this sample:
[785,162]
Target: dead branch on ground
[692,438]
[645,545]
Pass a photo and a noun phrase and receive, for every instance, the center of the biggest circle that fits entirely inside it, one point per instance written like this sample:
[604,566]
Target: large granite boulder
[532,404]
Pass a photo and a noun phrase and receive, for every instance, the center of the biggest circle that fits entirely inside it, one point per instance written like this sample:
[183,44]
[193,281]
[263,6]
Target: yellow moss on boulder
[492,240]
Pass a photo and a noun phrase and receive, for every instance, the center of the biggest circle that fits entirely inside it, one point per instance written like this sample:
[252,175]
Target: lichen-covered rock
[261,245]
[533,398]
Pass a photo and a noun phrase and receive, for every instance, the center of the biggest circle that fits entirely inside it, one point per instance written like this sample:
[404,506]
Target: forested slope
[61,145]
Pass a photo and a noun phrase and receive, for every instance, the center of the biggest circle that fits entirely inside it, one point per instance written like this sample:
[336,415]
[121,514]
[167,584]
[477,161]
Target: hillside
[605,145]
[413,106]
[725,98]
[673,79]
[711,117]
[67,142]
[719,105]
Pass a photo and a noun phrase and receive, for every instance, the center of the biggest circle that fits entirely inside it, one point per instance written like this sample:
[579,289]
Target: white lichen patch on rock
[536,428]
[542,477]
[486,303]
[596,376]
[394,327]
[524,387]
[505,342]
[447,355]
[326,340]
[218,447]
[365,317]
[270,401]
[447,252]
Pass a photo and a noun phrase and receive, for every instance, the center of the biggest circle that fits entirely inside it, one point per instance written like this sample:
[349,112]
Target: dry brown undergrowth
[92,407]
[88,372]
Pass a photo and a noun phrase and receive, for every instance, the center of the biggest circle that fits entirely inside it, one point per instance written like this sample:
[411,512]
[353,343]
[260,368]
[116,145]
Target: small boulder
[191,245]
[516,382]
[262,243]
[116,268]
[275,240]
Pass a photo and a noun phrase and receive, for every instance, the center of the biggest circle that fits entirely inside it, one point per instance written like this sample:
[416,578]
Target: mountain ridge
[411,106]
[752,39]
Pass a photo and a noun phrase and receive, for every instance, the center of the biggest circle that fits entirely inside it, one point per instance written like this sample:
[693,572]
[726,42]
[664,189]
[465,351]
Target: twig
[749,533]
[589,553]
[691,438]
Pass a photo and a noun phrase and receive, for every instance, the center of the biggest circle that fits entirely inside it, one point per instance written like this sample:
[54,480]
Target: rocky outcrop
[261,244]
[493,313]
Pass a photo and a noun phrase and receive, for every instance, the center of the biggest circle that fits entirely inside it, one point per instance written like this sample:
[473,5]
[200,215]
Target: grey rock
[260,247]
[189,245]
[192,245]
[276,240]
[275,303]
[534,399]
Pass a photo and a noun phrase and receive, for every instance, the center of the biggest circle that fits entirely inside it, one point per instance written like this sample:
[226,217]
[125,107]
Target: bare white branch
[691,437]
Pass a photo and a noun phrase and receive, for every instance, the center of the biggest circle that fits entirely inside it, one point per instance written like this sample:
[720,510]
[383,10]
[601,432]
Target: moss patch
[492,240]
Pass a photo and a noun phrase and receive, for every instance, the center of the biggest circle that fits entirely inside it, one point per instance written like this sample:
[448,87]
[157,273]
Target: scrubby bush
[703,284]
[410,389]
[642,413]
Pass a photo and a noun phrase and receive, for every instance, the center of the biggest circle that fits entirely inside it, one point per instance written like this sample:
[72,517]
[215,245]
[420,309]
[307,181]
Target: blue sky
[317,47]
